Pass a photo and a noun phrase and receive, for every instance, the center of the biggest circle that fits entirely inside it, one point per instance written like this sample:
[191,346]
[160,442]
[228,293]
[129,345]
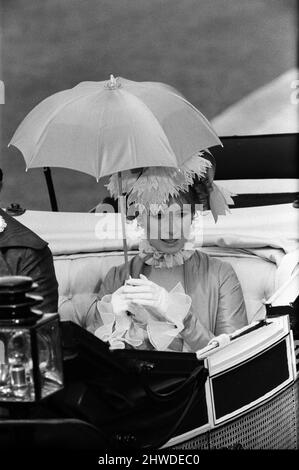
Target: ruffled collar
[158,259]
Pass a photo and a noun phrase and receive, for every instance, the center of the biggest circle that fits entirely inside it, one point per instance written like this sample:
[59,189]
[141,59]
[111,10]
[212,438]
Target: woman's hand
[120,303]
[145,292]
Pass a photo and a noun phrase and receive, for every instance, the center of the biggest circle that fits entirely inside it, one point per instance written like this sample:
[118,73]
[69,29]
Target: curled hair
[199,193]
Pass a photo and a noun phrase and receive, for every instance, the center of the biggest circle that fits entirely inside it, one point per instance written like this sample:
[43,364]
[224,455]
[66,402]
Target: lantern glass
[30,347]
[15,365]
[30,360]
[49,355]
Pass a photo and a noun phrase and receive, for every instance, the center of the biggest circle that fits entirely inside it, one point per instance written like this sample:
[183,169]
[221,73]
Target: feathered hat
[149,188]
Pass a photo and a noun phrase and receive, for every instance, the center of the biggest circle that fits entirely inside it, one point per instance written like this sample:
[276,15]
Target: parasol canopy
[105,127]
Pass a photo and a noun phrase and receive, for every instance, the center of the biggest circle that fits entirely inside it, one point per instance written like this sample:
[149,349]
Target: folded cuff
[116,329]
[161,334]
[178,307]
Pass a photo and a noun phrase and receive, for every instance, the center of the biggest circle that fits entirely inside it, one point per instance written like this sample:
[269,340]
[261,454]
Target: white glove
[145,292]
[120,303]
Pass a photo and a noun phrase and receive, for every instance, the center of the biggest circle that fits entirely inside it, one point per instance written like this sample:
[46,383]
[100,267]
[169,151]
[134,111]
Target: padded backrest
[261,243]
[82,274]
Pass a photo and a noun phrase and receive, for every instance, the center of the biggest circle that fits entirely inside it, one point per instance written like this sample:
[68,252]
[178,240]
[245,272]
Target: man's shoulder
[15,234]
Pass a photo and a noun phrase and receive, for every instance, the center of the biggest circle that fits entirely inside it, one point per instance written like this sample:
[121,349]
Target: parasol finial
[113,83]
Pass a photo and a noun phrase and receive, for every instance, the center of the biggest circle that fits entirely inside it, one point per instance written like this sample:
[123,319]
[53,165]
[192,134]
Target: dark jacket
[24,253]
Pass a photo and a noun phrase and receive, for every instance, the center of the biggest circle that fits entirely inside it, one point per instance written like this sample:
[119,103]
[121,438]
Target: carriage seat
[261,244]
[81,275]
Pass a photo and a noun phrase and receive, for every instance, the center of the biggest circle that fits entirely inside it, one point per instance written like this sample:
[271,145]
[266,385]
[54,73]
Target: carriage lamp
[30,347]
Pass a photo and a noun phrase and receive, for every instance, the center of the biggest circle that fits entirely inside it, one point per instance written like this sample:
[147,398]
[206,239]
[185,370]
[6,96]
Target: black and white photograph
[149,231]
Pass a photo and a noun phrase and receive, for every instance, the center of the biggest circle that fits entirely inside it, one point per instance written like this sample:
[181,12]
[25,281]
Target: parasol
[107,127]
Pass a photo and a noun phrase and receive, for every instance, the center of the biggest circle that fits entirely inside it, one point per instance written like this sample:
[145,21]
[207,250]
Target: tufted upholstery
[80,275]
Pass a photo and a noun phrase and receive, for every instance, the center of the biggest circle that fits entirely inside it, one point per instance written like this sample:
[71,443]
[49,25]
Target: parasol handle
[122,204]
[51,190]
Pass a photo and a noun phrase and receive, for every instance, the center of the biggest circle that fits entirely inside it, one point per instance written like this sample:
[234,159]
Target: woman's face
[168,230]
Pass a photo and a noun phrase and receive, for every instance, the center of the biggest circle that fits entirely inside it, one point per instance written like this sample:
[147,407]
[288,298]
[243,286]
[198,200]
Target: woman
[176,298]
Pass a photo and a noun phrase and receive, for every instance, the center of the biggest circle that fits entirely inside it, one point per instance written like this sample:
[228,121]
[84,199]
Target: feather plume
[151,188]
[219,199]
